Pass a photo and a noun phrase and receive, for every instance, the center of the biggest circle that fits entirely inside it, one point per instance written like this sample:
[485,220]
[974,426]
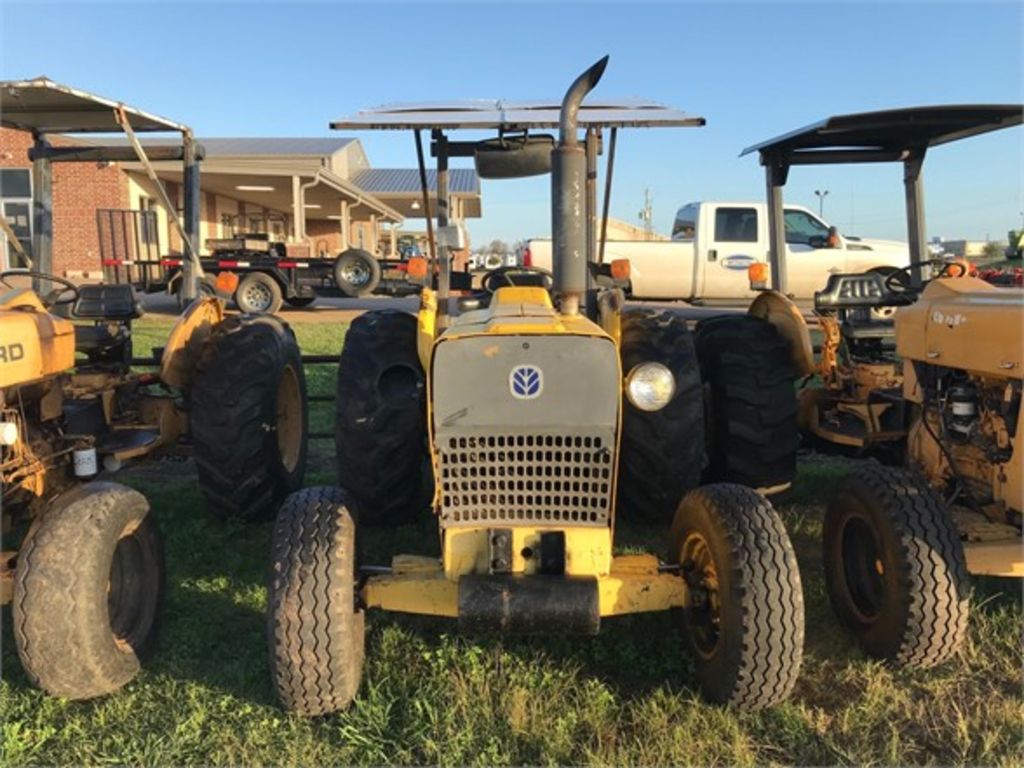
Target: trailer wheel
[895,568]
[300,301]
[743,621]
[356,272]
[662,452]
[751,403]
[316,630]
[248,416]
[258,294]
[380,432]
[87,591]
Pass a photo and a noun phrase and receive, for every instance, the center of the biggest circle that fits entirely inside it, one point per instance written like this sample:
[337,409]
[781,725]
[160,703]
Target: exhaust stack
[568,197]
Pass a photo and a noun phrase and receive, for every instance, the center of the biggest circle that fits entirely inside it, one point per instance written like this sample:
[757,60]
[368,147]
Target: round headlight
[650,386]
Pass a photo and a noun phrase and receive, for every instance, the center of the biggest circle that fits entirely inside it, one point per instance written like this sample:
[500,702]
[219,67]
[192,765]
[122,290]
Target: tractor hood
[966,323]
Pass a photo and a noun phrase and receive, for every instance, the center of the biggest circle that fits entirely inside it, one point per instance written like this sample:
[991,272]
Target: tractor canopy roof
[516,115]
[890,131]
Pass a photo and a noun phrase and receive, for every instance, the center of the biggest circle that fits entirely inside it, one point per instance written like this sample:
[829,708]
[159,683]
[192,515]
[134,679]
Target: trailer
[269,273]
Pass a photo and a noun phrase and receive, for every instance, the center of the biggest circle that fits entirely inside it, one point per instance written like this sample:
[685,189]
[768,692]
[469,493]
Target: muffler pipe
[568,196]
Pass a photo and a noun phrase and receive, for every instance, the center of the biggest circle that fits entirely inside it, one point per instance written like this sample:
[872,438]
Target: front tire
[751,397]
[662,452]
[895,568]
[248,416]
[87,591]
[380,434]
[316,631]
[743,621]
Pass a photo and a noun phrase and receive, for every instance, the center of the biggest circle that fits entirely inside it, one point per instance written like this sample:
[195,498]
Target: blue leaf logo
[526,382]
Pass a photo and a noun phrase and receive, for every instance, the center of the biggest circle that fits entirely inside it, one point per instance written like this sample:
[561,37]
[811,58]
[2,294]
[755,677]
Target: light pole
[822,194]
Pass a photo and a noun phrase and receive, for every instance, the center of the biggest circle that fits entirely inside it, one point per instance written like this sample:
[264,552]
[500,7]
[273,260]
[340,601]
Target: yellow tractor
[528,406]
[920,367]
[87,580]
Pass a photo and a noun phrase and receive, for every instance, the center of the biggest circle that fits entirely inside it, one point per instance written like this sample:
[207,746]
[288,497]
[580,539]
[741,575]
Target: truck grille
[526,478]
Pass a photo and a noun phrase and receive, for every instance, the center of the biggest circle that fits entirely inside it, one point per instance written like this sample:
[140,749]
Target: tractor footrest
[525,605]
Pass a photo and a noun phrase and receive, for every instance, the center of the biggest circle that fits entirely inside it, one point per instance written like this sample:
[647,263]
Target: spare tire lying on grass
[248,416]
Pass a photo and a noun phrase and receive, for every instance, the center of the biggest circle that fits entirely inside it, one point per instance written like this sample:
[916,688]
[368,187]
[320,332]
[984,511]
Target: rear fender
[781,312]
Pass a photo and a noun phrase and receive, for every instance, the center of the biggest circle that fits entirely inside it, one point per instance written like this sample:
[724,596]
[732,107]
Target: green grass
[431,696]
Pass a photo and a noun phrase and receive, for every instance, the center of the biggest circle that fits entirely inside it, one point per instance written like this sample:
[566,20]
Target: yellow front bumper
[419,585]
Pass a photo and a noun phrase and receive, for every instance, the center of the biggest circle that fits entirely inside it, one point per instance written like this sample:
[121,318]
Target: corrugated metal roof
[503,113]
[266,147]
[382,181]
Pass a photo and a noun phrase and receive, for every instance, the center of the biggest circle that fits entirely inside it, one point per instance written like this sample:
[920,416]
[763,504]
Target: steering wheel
[51,299]
[899,280]
[503,277]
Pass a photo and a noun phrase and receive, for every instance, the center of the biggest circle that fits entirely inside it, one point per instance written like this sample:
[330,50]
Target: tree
[498,246]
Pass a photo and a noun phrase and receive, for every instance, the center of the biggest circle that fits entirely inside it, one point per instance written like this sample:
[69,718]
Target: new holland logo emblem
[526,382]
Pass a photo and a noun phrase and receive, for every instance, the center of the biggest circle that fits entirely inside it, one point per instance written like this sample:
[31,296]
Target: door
[19,219]
[809,259]
[732,247]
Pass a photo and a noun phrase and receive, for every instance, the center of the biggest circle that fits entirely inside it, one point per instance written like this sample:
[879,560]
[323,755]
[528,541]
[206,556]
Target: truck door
[730,249]
[809,258]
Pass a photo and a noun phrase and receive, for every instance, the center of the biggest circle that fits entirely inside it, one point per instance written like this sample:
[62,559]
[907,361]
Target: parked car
[713,244]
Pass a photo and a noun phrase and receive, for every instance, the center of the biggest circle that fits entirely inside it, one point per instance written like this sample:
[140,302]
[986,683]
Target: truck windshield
[801,227]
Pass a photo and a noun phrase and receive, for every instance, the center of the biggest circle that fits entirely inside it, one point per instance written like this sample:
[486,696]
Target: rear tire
[380,432]
[356,272]
[298,302]
[662,452]
[895,568]
[248,416]
[744,619]
[316,631]
[87,591]
[751,398]
[258,294]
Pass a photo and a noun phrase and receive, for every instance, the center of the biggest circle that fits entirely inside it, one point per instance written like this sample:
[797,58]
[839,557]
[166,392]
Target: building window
[15,182]
[16,208]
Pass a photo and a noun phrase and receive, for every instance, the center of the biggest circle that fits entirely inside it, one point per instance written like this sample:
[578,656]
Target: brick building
[317,194]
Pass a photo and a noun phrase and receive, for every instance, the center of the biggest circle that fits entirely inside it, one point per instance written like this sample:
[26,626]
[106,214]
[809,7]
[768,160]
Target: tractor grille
[526,478]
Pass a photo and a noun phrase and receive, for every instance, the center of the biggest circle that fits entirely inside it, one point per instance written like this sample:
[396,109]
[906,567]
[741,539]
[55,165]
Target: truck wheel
[300,301]
[248,416]
[750,396]
[315,627]
[87,591]
[662,452]
[380,434]
[258,294]
[356,272]
[895,568]
[743,621]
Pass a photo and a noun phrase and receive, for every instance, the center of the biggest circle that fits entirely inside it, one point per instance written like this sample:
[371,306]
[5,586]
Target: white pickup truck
[713,243]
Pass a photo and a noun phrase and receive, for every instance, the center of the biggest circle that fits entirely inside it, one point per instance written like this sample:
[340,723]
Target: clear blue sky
[754,70]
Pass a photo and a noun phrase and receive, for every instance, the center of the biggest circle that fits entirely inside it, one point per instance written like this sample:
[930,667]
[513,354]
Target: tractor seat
[858,291]
[111,303]
[112,308]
